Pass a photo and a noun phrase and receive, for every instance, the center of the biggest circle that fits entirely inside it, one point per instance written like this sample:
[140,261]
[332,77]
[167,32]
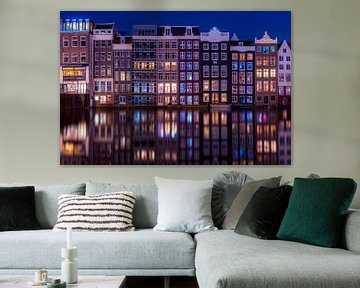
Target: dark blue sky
[246,24]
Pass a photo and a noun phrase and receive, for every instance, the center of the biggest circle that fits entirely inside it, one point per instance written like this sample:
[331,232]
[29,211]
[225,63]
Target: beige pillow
[243,198]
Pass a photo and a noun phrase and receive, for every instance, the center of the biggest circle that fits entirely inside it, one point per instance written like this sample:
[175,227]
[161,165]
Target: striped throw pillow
[105,212]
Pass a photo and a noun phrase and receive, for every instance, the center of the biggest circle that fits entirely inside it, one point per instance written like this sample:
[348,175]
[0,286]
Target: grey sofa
[218,259]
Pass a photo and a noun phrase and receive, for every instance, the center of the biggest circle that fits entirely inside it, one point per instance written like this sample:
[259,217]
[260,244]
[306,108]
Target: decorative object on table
[69,269]
[106,212]
[41,275]
[56,283]
[40,279]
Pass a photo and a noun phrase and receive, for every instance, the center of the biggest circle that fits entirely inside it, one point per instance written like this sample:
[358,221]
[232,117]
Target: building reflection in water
[176,137]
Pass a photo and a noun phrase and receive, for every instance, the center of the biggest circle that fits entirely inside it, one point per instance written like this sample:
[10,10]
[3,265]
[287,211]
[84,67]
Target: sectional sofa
[218,259]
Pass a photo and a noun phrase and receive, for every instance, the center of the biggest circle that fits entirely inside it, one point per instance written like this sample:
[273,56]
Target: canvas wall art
[175,88]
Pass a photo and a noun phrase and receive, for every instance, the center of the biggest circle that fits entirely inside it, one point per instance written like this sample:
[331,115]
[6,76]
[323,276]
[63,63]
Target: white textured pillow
[184,205]
[105,212]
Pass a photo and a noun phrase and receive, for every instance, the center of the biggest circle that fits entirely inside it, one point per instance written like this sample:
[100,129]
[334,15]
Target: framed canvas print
[175,88]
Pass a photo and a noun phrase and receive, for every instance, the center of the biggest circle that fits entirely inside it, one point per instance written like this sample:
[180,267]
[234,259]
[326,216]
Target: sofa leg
[167,282]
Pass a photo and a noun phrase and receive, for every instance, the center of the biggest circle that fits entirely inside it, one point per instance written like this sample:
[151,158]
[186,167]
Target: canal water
[258,136]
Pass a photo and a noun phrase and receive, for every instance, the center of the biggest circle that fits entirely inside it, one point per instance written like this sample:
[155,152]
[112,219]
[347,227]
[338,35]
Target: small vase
[69,270]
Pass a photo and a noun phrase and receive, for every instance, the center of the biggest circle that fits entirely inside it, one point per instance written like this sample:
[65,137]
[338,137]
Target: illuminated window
[242,89]
[242,78]
[250,56]
[272,73]
[109,54]
[215,85]
[167,66]
[249,90]
[272,61]
[189,76]
[206,85]
[266,73]
[249,78]
[189,88]
[206,97]
[258,61]
[266,61]
[109,72]
[281,90]
[249,66]
[182,87]
[272,49]
[234,65]
[241,65]
[173,88]
[242,57]
[272,86]
[189,66]
[122,76]
[259,86]
[167,88]
[266,86]
[266,49]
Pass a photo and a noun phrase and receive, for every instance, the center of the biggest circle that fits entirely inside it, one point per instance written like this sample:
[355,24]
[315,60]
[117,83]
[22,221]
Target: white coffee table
[83,282]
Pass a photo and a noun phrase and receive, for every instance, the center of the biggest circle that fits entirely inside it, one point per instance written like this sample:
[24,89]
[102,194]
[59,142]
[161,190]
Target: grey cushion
[46,200]
[226,187]
[146,204]
[144,249]
[244,197]
[184,205]
[225,259]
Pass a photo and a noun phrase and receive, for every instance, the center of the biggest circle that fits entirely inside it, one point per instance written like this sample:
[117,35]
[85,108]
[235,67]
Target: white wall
[326,89]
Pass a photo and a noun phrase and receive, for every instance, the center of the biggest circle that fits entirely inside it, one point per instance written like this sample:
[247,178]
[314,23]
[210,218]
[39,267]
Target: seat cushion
[144,249]
[225,259]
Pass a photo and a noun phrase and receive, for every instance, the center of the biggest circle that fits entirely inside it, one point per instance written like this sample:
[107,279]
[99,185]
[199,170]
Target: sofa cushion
[243,198]
[146,205]
[184,205]
[317,209]
[17,208]
[225,259]
[225,189]
[263,215]
[105,212]
[143,249]
[46,200]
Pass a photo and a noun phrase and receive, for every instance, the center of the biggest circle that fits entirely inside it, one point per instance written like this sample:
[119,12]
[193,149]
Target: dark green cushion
[263,215]
[17,208]
[316,211]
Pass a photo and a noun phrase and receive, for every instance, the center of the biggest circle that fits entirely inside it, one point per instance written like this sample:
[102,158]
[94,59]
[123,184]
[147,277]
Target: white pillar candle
[69,237]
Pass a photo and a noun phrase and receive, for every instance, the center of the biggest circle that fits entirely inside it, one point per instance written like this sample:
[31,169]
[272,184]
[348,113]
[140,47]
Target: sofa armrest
[351,233]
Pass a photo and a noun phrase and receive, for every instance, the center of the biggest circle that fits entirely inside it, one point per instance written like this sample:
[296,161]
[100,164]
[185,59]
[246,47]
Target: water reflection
[176,137]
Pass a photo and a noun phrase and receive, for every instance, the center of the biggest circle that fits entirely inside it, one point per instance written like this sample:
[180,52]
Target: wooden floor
[158,282]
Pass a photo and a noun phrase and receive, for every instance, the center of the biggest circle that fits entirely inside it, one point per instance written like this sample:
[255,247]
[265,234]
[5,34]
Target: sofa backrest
[146,203]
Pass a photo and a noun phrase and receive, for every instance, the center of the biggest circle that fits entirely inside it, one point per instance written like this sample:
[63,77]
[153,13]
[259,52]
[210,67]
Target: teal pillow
[316,211]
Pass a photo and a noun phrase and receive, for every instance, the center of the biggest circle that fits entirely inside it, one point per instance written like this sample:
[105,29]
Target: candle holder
[69,270]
